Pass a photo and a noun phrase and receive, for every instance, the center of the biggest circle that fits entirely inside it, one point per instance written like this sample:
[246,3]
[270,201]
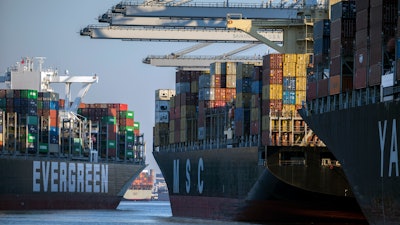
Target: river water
[154,212]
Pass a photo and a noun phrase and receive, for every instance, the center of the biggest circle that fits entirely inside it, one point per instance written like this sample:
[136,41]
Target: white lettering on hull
[176,176]
[188,173]
[393,151]
[69,177]
[187,176]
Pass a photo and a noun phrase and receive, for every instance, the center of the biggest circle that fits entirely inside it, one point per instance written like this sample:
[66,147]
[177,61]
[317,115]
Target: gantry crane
[284,26]
[297,33]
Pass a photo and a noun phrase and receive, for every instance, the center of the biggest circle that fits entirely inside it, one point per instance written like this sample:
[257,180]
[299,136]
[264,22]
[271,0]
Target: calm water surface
[127,213]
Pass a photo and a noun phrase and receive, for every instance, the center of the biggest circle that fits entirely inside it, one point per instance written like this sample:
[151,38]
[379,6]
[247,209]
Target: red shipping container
[362,4]
[361,38]
[362,19]
[271,106]
[239,128]
[323,88]
[311,90]
[254,127]
[230,94]
[360,76]
[177,112]
[336,65]
[334,85]
[375,53]
[398,70]
[374,77]
[335,47]
[265,138]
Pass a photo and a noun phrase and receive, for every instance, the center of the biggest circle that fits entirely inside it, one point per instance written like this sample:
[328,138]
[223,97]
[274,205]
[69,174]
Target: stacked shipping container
[244,78]
[21,120]
[284,90]
[48,108]
[256,100]
[162,117]
[183,117]
[376,22]
[116,135]
[216,89]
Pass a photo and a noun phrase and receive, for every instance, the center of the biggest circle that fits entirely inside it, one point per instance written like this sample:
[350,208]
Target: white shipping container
[163,94]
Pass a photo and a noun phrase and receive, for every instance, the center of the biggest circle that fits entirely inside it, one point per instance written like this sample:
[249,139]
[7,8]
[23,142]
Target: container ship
[231,146]
[141,188]
[355,110]
[59,154]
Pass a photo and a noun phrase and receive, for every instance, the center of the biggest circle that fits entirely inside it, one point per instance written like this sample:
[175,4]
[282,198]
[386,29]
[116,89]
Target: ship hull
[229,184]
[42,183]
[365,140]
[138,195]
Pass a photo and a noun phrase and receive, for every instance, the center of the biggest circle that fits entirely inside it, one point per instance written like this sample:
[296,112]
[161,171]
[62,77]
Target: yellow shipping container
[172,137]
[290,58]
[160,128]
[303,59]
[231,81]
[275,91]
[231,68]
[183,124]
[300,97]
[301,83]
[194,86]
[171,125]
[289,69]
[183,135]
[288,110]
[301,70]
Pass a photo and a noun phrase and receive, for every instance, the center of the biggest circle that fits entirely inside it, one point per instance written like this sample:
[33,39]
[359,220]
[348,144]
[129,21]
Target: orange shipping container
[334,85]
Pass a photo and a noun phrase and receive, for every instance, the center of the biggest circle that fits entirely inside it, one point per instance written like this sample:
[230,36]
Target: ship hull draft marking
[69,177]
[393,156]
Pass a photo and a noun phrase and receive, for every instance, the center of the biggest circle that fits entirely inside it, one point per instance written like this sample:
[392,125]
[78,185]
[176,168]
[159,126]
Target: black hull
[365,140]
[229,184]
[44,183]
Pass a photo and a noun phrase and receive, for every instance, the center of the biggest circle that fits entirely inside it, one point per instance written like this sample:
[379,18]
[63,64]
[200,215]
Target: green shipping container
[33,94]
[32,120]
[112,144]
[77,142]
[136,125]
[43,148]
[126,128]
[31,138]
[109,120]
[127,114]
[129,154]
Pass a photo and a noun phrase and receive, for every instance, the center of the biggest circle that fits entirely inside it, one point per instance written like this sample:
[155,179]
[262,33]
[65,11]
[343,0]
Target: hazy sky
[50,28]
